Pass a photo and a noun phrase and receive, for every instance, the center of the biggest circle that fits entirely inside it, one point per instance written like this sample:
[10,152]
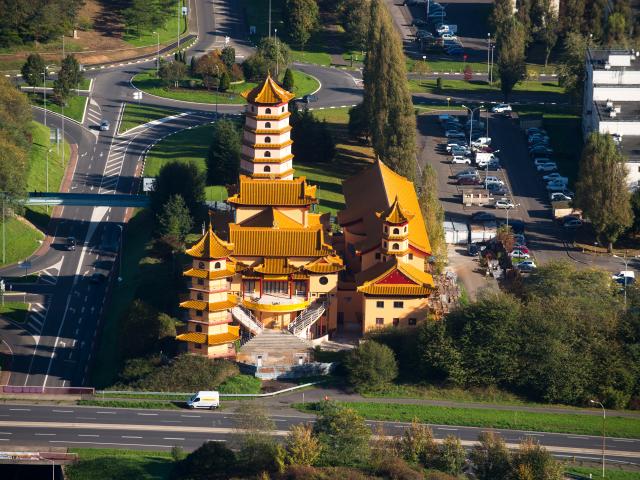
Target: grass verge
[457,86]
[136,114]
[22,240]
[15,311]
[168,33]
[241,384]
[73,110]
[612,473]
[136,236]
[37,174]
[166,405]
[119,464]
[475,417]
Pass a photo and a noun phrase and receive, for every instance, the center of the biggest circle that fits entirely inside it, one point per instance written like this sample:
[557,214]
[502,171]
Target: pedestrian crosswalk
[49,275]
[94,114]
[113,167]
[37,316]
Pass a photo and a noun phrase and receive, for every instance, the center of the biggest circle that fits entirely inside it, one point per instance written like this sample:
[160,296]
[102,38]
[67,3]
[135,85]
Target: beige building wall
[379,312]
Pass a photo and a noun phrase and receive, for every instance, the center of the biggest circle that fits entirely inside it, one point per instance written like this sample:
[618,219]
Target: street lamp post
[424,64]
[217,88]
[488,52]
[179,19]
[515,206]
[604,417]
[471,110]
[491,69]
[157,54]
[624,277]
[275,34]
[121,252]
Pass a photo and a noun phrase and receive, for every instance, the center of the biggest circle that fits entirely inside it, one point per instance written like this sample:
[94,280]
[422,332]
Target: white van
[204,399]
[483,158]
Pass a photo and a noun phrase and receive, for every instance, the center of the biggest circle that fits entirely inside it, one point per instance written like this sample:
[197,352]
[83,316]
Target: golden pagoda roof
[268,93]
[373,190]
[328,264]
[394,278]
[275,266]
[278,242]
[230,302]
[266,193]
[231,335]
[395,214]
[210,246]
[211,275]
[271,217]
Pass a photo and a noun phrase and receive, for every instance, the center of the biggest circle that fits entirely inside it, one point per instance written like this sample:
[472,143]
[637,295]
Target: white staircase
[307,317]
[247,319]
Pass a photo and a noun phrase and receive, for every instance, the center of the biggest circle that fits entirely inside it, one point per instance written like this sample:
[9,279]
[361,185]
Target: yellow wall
[412,307]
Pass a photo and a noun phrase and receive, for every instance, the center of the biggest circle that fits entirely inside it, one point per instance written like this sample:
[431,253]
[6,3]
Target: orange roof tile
[275,266]
[229,336]
[197,273]
[278,242]
[230,302]
[376,279]
[271,217]
[209,247]
[274,192]
[373,190]
[329,264]
[268,93]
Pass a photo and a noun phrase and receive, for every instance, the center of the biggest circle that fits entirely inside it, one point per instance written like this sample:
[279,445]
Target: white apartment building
[612,102]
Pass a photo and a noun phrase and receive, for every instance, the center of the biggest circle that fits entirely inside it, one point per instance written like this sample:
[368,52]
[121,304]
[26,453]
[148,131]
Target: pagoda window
[267,125]
[386,229]
[384,244]
[377,255]
[267,154]
[198,313]
[201,265]
[411,256]
[283,109]
[398,304]
[199,328]
[267,168]
[396,231]
[380,304]
[396,322]
[267,111]
[396,246]
[198,346]
[379,321]
[199,296]
[405,229]
[413,321]
[200,281]
[267,139]
[249,286]
[323,280]
[216,266]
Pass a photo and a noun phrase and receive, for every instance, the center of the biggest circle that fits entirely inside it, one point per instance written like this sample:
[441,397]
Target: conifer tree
[511,43]
[387,100]
[33,69]
[223,160]
[287,80]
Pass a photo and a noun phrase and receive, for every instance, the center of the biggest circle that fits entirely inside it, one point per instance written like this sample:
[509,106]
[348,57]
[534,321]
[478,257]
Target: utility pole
[488,53]
[269,34]
[157,54]
[604,417]
[44,93]
[277,52]
[62,107]
[491,70]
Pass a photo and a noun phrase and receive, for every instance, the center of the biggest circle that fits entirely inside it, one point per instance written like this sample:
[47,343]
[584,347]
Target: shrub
[371,366]
[236,73]
[398,469]
[212,460]
[417,444]
[439,83]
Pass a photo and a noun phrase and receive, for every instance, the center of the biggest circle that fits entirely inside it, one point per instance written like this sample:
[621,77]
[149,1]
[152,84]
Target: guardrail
[105,393]
[47,390]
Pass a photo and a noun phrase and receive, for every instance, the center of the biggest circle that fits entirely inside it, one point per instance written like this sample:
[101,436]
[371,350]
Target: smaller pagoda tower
[208,329]
[395,231]
[266,142]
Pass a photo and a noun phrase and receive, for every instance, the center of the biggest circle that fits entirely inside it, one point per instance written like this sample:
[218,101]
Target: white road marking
[62,411]
[172,438]
[129,436]
[19,409]
[45,434]
[87,435]
[147,414]
[107,413]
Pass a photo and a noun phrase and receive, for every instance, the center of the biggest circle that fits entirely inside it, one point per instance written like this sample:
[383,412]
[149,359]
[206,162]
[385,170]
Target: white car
[559,197]
[547,167]
[526,265]
[555,177]
[519,254]
[494,180]
[541,160]
[448,36]
[501,108]
[481,141]
[460,160]
[505,204]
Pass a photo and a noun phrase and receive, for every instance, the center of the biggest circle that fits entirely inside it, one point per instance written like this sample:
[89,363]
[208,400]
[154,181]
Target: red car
[485,149]
[521,248]
[469,181]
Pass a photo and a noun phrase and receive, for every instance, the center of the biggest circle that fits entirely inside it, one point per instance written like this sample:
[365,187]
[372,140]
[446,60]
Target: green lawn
[74,108]
[118,464]
[21,240]
[83,85]
[16,311]
[185,146]
[456,86]
[475,417]
[168,33]
[311,56]
[37,175]
[612,472]
[256,13]
[149,83]
[139,403]
[137,114]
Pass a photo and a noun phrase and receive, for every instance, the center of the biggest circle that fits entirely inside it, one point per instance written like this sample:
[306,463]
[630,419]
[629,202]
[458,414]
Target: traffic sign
[25,264]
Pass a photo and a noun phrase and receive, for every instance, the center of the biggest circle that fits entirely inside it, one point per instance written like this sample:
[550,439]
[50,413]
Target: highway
[40,425]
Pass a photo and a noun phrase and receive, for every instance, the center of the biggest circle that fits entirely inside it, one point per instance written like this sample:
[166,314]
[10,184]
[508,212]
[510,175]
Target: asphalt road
[31,425]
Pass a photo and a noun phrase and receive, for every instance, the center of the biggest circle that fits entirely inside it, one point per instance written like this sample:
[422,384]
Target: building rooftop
[630,147]
[628,111]
[613,59]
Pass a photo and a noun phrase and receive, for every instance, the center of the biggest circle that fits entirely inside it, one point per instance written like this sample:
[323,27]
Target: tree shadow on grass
[123,467]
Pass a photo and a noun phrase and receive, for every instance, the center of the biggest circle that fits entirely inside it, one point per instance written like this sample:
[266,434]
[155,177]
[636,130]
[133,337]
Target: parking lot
[523,183]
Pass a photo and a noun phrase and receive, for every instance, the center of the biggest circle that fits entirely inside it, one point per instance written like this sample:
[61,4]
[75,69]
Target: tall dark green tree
[177,178]
[301,19]
[601,190]
[501,13]
[175,220]
[511,43]
[287,80]
[33,70]
[571,71]
[69,78]
[223,159]
[228,56]
[355,18]
[313,142]
[386,95]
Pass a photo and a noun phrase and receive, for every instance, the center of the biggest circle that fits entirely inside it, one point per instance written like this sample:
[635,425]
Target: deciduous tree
[210,461]
[210,67]
[179,178]
[33,70]
[343,434]
[301,445]
[433,215]
[451,455]
[371,366]
[386,95]
[301,20]
[511,55]
[174,219]
[571,70]
[532,461]
[601,190]
[355,18]
[491,457]
[171,73]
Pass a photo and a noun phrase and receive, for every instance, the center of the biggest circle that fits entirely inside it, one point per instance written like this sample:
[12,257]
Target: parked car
[469,181]
[526,266]
[521,248]
[555,186]
[555,176]
[624,277]
[559,197]
[541,161]
[483,217]
[469,172]
[473,250]
[98,277]
[490,179]
[504,203]
[572,222]
[547,167]
[460,160]
[481,141]
[494,165]
[540,151]
[519,254]
[456,143]
[497,189]
[520,239]
[460,151]
[501,108]
[533,130]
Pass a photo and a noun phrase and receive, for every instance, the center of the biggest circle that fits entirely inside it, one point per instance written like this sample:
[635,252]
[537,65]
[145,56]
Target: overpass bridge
[86,200]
